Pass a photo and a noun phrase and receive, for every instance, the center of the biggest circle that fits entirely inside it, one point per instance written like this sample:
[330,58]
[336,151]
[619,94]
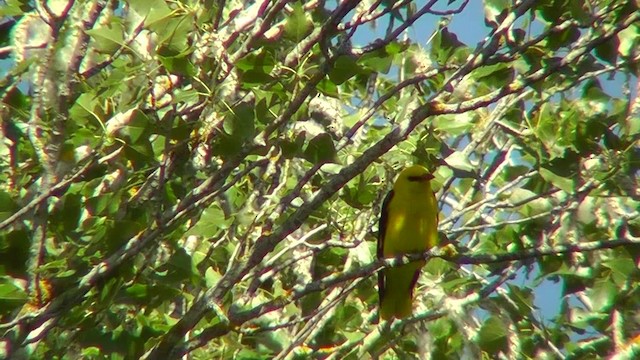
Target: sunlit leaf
[493,335]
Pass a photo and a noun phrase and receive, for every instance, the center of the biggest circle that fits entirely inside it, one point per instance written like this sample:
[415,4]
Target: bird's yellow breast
[412,223]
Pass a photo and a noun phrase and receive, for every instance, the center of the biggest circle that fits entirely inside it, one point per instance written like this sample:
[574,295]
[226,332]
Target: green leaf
[495,11]
[564,38]
[137,291]
[360,192]
[291,149]
[84,109]
[212,277]
[173,34]
[607,51]
[494,76]
[531,207]
[551,10]
[140,153]
[246,354]
[580,11]
[378,61]
[256,68]
[455,124]
[511,173]
[520,196]
[460,161]
[628,39]
[493,336]
[98,204]
[180,266]
[532,57]
[602,295]
[180,65]
[297,26]
[152,11]
[188,96]
[584,320]
[444,45]
[239,123]
[264,109]
[546,128]
[91,351]
[622,266]
[562,183]
[438,267]
[328,261]
[7,205]
[136,127]
[328,87]
[71,211]
[321,150]
[19,104]
[396,47]
[211,222]
[258,60]
[108,37]
[9,292]
[522,297]
[238,130]
[12,8]
[344,68]
[252,78]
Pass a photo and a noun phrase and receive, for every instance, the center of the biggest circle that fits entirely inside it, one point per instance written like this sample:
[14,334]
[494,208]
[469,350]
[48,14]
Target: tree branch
[236,319]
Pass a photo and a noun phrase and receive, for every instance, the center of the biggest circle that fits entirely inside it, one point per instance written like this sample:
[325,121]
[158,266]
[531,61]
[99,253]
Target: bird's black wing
[382,228]
[382,223]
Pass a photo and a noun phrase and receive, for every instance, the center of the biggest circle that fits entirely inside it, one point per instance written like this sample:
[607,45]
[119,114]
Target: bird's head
[413,177]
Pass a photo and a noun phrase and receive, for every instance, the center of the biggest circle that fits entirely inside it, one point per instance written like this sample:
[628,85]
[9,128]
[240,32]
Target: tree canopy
[204,178]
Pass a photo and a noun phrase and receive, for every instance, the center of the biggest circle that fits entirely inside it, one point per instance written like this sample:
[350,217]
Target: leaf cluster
[204,178]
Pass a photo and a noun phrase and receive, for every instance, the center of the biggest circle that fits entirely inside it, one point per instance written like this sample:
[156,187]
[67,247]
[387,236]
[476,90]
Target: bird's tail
[398,307]
[397,300]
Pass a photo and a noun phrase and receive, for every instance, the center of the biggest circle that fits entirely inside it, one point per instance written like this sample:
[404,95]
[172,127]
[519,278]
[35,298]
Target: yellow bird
[408,224]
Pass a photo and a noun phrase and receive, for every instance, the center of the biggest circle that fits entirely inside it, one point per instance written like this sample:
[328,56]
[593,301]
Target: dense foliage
[204,177]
